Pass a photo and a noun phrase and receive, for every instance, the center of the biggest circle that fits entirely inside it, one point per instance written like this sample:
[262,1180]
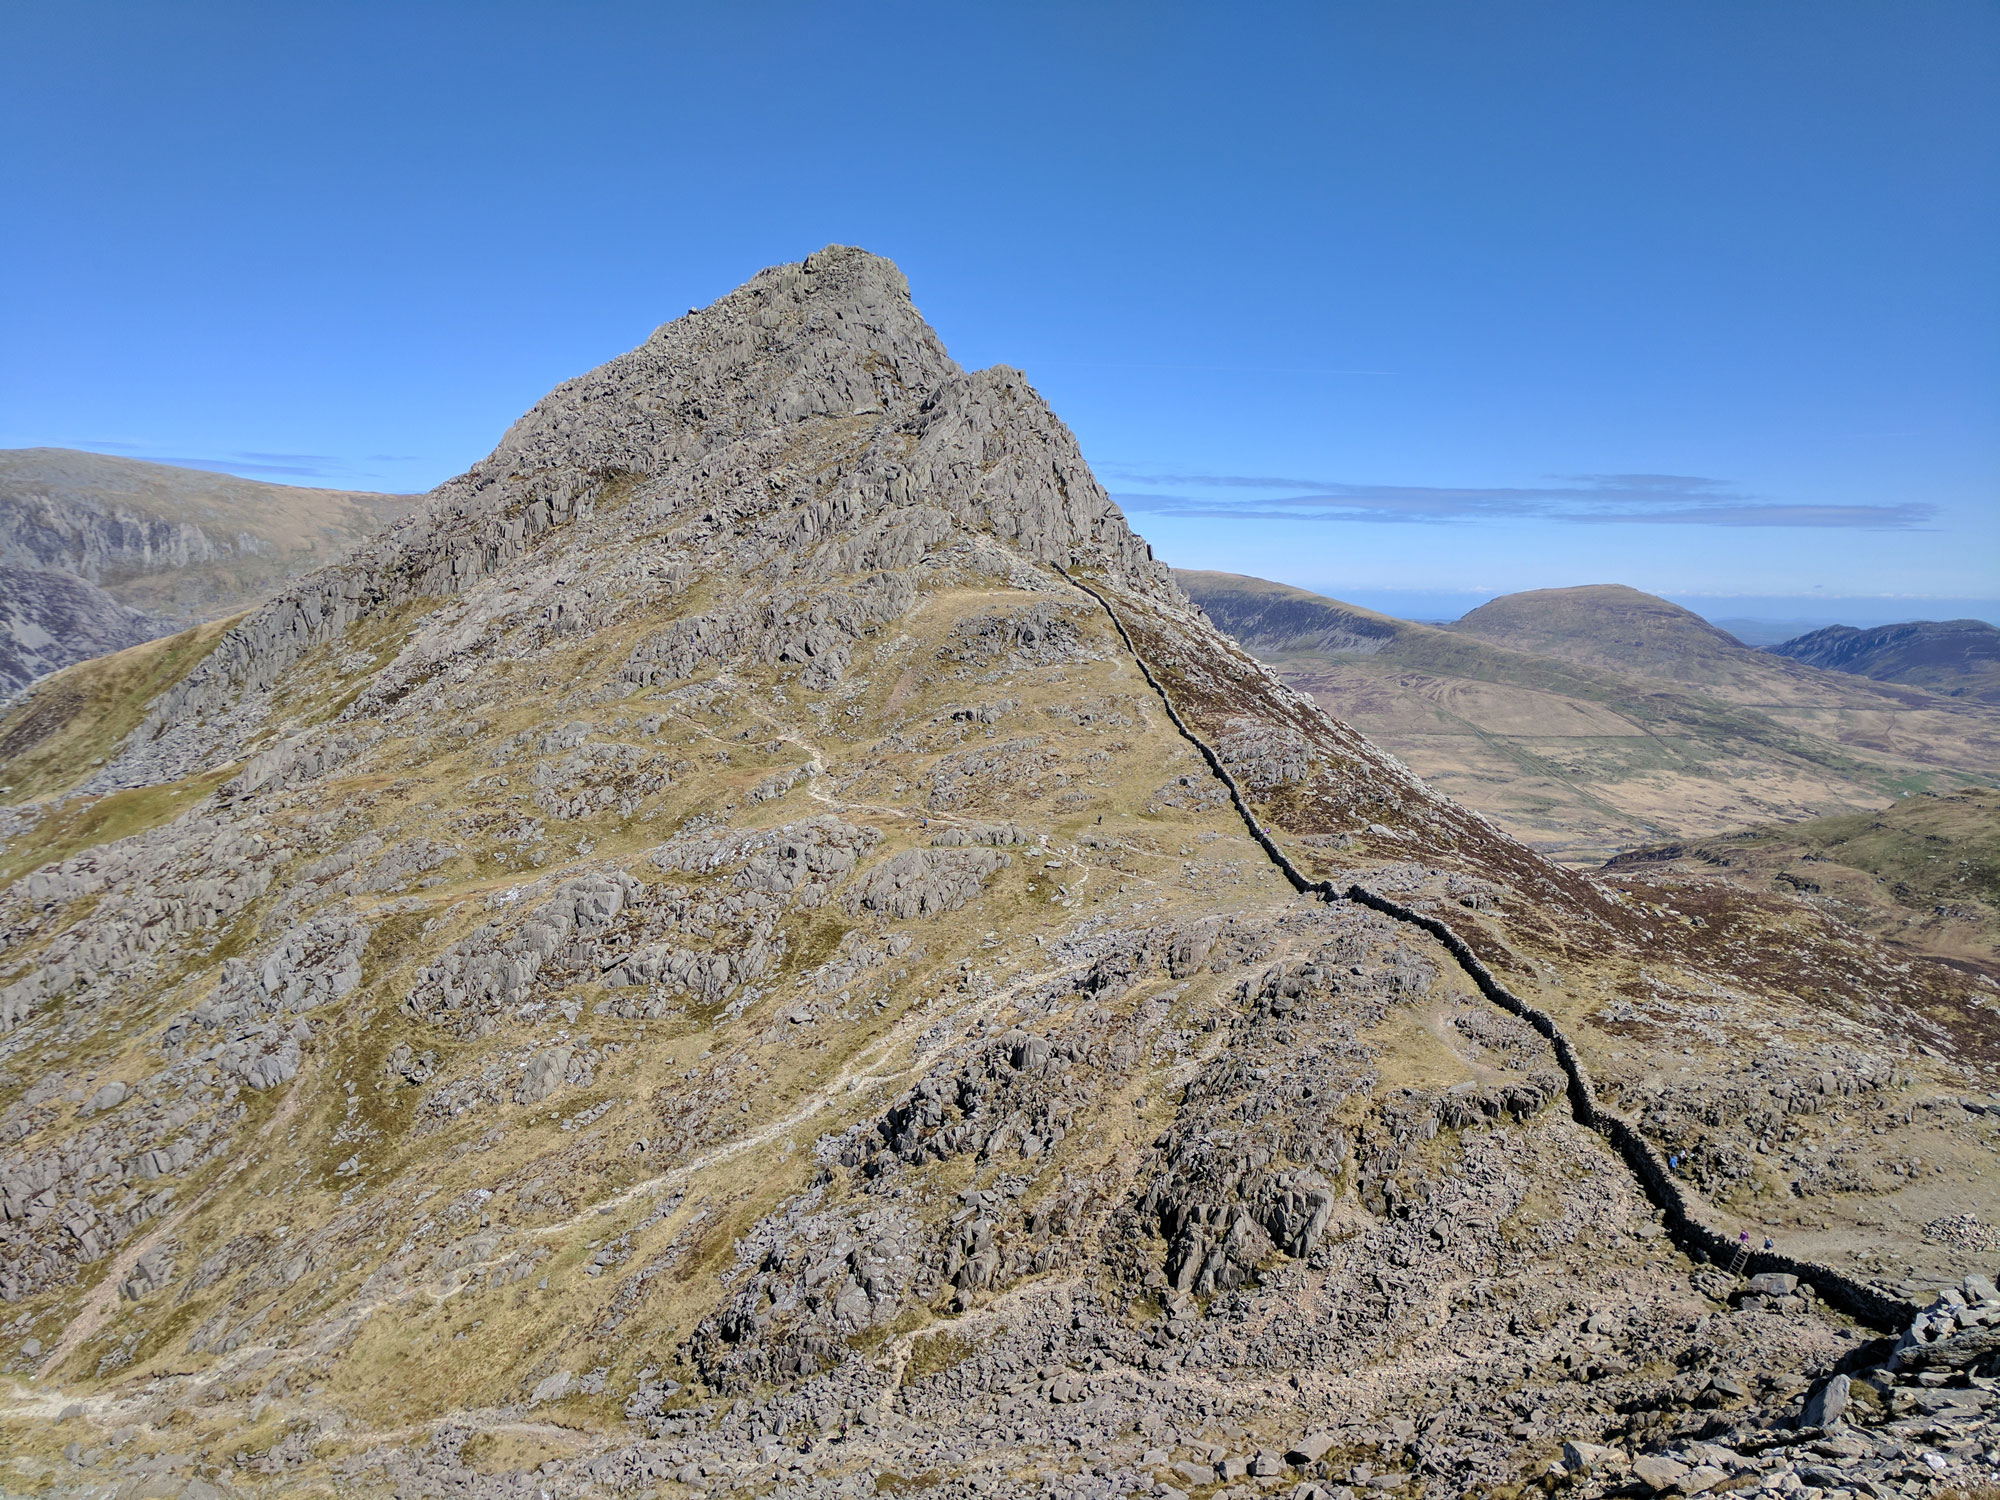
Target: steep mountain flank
[1275,618]
[1958,658]
[1566,735]
[169,546]
[704,960]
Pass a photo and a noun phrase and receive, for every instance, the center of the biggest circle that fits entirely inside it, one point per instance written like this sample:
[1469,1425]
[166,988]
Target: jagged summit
[834,335]
[833,341]
[813,403]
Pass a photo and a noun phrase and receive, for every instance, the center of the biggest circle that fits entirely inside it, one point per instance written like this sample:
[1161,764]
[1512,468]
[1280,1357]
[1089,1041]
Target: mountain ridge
[480,519]
[1958,658]
[102,552]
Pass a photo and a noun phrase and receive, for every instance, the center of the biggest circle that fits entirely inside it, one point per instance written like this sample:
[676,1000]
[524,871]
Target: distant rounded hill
[1608,625]
[1959,658]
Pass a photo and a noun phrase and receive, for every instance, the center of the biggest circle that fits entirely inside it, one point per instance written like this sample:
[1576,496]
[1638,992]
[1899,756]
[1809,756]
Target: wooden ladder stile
[1742,1258]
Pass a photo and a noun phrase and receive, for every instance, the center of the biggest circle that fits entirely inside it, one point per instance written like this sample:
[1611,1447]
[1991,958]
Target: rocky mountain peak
[808,426]
[833,336]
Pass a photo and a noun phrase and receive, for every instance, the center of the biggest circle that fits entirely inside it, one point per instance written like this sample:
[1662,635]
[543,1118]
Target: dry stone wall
[1856,1298]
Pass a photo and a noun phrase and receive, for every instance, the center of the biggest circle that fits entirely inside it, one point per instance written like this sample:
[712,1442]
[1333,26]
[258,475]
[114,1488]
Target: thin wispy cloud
[1864,517]
[1099,364]
[1582,499]
[251,461]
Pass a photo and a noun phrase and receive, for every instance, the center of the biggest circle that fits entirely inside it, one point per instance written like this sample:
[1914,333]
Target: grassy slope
[1924,871]
[429,1339]
[416,1361]
[71,720]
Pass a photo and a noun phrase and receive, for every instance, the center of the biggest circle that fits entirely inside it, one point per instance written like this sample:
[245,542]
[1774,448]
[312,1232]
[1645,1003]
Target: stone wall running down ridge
[1855,1298]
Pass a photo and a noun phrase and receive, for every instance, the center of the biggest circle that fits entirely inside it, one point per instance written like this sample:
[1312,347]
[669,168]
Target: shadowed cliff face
[50,619]
[178,545]
[1272,617]
[100,553]
[700,958]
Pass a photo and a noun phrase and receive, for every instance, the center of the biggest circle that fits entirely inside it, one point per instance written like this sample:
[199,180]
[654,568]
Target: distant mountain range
[1959,658]
[98,553]
[1590,720]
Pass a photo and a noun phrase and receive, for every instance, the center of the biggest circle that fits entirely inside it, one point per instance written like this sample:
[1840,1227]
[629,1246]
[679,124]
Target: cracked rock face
[700,963]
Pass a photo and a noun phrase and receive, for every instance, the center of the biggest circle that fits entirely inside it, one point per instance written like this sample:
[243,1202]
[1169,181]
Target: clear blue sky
[1374,297]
